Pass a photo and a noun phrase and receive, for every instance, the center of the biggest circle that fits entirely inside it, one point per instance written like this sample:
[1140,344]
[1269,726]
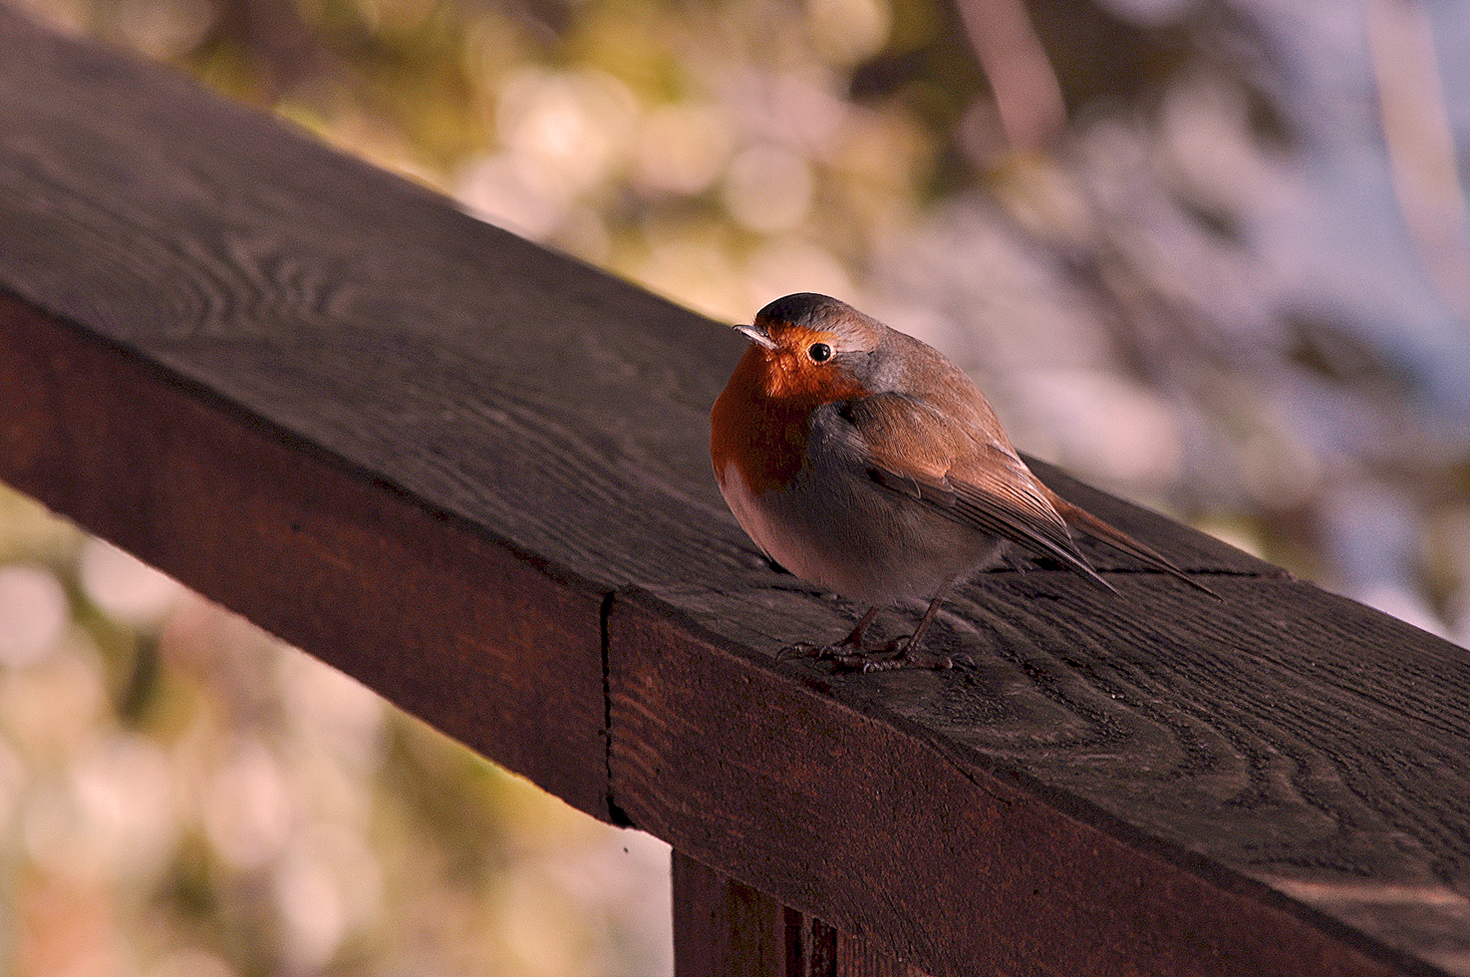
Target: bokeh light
[1230,283]
[182,794]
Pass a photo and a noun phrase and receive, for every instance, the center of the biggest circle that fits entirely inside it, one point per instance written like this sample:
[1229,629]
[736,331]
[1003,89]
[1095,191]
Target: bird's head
[810,349]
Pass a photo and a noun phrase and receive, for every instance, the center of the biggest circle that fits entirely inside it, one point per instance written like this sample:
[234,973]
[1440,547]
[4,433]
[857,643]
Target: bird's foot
[900,653]
[836,651]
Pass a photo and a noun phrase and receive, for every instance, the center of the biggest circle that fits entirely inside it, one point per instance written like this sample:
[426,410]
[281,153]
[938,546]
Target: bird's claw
[917,659]
[903,654]
[834,652]
[849,657]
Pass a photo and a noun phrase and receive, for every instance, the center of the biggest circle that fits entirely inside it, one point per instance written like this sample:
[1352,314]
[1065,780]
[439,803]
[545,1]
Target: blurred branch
[1420,144]
[1028,96]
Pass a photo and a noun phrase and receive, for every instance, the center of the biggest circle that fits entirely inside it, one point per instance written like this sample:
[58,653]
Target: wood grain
[468,634]
[963,862]
[1287,738]
[474,474]
[723,928]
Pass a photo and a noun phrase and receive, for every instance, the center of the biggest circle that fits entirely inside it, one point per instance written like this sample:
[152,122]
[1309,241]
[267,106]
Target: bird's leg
[855,638]
[851,653]
[849,647]
[929,613]
[908,653]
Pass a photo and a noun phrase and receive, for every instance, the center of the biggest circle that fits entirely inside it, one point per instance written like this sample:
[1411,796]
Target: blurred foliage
[1208,254]
[180,794]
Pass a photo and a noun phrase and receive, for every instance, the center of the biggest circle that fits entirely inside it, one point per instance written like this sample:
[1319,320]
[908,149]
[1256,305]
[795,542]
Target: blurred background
[1213,256]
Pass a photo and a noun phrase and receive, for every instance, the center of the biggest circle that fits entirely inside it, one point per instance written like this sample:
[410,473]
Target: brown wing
[911,448]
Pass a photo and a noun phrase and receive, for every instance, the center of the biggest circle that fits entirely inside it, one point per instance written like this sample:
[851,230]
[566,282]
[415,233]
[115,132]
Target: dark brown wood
[962,859]
[723,928]
[475,638]
[549,406]
[473,474]
[858,957]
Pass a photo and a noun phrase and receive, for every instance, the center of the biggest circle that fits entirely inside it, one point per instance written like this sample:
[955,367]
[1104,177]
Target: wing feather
[911,448]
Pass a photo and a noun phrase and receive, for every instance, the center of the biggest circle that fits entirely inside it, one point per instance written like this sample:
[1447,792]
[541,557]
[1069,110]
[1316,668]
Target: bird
[864,461]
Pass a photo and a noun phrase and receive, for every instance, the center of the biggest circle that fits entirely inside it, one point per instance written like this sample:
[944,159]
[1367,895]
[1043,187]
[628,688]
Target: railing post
[723,928]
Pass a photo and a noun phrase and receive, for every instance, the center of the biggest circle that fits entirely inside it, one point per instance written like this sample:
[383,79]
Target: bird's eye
[819,352]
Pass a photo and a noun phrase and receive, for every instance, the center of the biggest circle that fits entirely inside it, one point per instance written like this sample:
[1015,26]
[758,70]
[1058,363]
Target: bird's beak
[756,336]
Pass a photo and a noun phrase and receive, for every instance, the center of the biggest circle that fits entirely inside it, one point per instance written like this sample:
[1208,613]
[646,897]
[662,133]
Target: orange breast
[762,419]
[763,436]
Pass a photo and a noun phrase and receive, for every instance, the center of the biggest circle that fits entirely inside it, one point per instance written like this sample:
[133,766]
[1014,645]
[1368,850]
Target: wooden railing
[472,474]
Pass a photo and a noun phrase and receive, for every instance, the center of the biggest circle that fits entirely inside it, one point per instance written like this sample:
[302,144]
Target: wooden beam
[473,474]
[943,854]
[479,640]
[724,928]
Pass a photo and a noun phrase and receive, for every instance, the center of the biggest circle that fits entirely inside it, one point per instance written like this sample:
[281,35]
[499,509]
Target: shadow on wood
[473,474]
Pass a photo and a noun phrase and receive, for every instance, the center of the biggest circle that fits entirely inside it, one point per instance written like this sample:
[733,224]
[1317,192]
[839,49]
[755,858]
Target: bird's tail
[1079,518]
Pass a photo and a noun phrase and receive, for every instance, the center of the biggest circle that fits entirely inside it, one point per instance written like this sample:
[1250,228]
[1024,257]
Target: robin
[864,461]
